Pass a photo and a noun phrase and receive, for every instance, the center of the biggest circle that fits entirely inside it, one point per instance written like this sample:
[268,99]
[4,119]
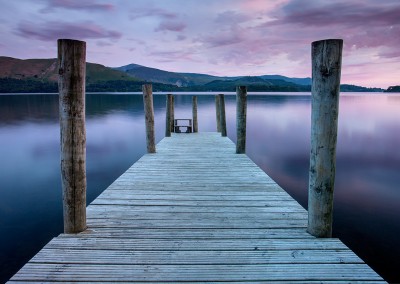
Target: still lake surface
[367,193]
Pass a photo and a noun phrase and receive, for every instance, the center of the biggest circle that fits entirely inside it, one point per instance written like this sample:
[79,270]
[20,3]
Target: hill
[160,76]
[45,70]
[393,89]
[194,79]
[40,75]
[254,84]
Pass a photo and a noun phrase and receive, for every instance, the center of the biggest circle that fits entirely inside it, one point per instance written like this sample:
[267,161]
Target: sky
[217,37]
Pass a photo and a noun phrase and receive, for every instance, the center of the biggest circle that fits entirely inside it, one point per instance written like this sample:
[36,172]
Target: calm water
[367,194]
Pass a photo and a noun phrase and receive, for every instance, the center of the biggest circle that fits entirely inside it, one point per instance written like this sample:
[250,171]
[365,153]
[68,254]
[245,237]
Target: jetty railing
[326,69]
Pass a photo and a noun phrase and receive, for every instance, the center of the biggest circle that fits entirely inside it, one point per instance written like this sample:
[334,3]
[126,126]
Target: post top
[70,40]
[339,40]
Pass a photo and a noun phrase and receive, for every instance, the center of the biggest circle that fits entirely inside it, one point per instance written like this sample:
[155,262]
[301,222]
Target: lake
[367,193]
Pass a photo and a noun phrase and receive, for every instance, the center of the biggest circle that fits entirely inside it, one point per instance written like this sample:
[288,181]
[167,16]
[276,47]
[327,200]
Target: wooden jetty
[196,208]
[195,211]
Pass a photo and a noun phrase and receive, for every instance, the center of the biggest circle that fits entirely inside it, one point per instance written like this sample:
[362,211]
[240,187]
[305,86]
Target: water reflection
[278,134]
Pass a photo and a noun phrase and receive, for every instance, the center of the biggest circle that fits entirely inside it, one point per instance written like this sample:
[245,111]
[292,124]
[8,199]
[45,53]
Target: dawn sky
[218,37]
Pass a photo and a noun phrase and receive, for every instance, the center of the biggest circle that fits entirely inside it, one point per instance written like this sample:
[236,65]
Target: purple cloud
[180,37]
[230,36]
[53,30]
[172,56]
[172,26]
[232,17]
[311,13]
[152,12]
[103,43]
[89,5]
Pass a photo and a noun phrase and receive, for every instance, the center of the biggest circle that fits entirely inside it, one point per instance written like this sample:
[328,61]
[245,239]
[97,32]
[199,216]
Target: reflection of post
[218,113]
[194,112]
[149,117]
[71,88]
[173,114]
[222,114]
[168,116]
[241,109]
[326,67]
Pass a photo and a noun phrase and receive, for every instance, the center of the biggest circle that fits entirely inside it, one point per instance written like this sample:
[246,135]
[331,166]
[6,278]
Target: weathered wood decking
[195,212]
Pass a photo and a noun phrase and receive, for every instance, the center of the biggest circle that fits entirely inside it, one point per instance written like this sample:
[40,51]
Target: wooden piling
[173,114]
[149,117]
[168,120]
[194,113]
[71,88]
[326,69]
[241,112]
[218,113]
[222,116]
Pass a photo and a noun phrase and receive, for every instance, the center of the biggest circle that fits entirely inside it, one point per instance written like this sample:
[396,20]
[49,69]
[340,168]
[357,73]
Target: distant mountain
[204,82]
[300,81]
[193,79]
[160,76]
[354,88]
[40,75]
[45,70]
[253,83]
[393,89]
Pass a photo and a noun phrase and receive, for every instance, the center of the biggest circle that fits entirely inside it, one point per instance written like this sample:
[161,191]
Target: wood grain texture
[222,116]
[149,117]
[218,113]
[241,114]
[194,114]
[326,67]
[195,212]
[172,113]
[168,117]
[71,88]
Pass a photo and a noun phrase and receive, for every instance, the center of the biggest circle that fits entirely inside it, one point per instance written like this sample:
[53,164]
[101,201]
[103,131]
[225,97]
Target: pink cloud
[77,5]
[53,30]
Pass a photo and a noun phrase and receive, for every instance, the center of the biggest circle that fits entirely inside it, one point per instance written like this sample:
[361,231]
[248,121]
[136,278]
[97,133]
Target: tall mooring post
[241,113]
[168,117]
[71,88]
[222,117]
[326,68]
[194,114]
[173,114]
[149,117]
[218,113]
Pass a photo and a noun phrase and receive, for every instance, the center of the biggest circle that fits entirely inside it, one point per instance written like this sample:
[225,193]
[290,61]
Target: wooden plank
[192,233]
[98,256]
[212,273]
[199,244]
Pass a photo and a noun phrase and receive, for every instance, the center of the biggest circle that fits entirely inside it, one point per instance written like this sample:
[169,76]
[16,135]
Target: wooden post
[326,67]
[173,114]
[168,121]
[194,112]
[218,113]
[149,117]
[241,112]
[71,88]
[222,116]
